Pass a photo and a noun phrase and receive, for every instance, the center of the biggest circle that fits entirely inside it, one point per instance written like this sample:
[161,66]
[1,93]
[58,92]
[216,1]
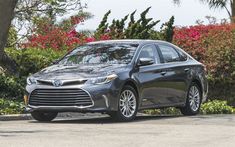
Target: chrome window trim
[165,63]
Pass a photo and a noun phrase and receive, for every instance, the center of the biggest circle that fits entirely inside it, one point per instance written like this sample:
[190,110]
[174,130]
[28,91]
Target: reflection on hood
[60,71]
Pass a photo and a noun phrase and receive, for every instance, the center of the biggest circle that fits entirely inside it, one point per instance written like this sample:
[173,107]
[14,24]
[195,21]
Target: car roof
[140,42]
[133,41]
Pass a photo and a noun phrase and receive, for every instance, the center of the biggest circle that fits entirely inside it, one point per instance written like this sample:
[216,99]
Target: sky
[185,14]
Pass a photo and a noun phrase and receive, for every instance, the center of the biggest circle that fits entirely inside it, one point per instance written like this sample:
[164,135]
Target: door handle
[186,69]
[163,73]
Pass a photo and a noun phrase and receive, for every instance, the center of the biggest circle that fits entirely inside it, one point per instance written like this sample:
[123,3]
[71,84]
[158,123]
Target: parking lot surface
[101,131]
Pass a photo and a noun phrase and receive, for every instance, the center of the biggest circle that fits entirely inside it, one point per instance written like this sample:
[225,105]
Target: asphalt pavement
[101,131]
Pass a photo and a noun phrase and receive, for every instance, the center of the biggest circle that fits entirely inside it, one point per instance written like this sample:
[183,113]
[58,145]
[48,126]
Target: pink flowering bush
[214,46]
[59,37]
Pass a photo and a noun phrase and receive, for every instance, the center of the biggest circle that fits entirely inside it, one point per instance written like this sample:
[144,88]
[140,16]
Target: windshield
[113,53]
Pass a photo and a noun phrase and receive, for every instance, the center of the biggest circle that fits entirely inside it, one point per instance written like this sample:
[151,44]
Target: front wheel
[127,105]
[193,101]
[44,116]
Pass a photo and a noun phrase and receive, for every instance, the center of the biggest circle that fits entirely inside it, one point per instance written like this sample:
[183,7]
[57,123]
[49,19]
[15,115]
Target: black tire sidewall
[44,116]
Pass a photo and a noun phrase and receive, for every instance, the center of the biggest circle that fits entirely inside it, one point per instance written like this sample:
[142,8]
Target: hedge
[214,46]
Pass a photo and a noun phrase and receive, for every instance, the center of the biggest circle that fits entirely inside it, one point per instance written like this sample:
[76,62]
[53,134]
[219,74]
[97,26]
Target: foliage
[214,46]
[165,111]
[57,37]
[206,43]
[27,10]
[31,60]
[143,28]
[63,36]
[12,37]
[222,4]
[10,107]
[216,107]
[11,87]
[210,107]
[168,30]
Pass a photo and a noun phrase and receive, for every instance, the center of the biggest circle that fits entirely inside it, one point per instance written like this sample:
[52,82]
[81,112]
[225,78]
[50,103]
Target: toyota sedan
[118,78]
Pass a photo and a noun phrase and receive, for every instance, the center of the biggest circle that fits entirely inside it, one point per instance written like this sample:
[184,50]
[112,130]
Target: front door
[151,79]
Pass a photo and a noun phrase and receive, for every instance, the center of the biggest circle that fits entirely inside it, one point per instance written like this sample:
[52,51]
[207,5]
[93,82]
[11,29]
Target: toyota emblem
[57,83]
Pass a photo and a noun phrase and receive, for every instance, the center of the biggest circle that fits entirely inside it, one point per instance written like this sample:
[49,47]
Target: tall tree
[21,13]
[228,5]
[6,15]
[27,12]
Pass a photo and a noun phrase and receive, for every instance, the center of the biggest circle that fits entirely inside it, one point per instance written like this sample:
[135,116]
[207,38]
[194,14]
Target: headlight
[102,80]
[31,81]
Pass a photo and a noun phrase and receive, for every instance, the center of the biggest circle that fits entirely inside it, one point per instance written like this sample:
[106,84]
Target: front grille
[60,97]
[64,83]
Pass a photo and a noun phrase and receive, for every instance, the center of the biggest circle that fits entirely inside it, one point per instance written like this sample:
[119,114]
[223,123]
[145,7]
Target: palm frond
[216,3]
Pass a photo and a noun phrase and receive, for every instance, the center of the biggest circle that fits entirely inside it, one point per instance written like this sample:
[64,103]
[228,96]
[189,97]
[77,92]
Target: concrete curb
[15,117]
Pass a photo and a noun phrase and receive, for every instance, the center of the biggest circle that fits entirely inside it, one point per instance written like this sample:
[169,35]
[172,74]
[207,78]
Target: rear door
[177,73]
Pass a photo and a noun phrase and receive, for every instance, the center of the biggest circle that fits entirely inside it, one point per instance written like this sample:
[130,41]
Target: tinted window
[183,56]
[169,53]
[148,51]
[118,53]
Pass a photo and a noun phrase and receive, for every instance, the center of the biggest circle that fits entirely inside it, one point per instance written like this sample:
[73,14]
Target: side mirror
[145,61]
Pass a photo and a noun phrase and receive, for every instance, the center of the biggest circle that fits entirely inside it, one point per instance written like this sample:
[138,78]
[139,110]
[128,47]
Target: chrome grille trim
[58,97]
[64,82]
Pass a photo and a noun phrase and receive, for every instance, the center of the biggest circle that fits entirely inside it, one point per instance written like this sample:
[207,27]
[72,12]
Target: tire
[193,101]
[44,116]
[130,106]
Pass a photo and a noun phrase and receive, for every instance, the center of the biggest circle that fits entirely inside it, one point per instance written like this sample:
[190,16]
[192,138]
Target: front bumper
[104,98]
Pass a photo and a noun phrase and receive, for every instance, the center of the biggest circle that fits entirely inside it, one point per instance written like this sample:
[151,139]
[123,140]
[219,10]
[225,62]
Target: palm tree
[223,4]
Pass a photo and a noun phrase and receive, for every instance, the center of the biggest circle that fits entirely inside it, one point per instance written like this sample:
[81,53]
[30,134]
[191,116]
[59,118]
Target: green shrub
[131,28]
[12,37]
[11,87]
[11,107]
[216,107]
[31,60]
[165,111]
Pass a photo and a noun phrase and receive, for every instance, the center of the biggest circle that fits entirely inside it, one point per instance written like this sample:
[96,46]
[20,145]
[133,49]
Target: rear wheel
[127,105]
[44,116]
[193,101]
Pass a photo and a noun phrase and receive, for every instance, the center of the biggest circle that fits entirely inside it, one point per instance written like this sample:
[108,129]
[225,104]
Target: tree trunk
[6,15]
[233,12]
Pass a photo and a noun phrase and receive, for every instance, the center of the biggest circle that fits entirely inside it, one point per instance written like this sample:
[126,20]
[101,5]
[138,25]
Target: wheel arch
[132,84]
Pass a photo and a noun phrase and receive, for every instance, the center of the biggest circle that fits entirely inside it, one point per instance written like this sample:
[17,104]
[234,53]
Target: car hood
[67,72]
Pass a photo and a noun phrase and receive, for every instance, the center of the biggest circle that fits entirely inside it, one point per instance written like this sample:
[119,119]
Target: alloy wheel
[194,98]
[127,103]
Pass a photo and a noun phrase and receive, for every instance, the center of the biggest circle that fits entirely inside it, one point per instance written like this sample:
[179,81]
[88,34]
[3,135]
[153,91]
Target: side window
[149,51]
[183,56]
[169,53]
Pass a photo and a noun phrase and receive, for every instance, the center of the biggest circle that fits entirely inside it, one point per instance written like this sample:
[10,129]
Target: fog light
[26,99]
